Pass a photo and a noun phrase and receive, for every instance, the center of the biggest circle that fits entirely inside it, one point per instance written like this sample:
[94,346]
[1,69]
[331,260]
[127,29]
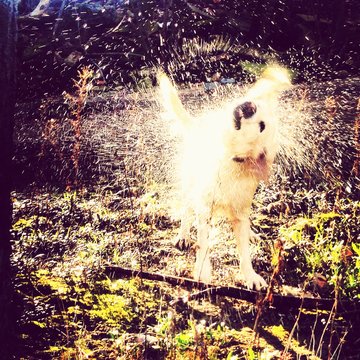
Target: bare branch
[283,303]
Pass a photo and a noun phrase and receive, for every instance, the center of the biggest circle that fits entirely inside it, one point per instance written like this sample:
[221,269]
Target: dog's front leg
[202,270]
[247,274]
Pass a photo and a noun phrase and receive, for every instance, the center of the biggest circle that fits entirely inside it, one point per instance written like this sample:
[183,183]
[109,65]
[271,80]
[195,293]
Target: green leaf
[251,354]
[230,356]
[356,248]
[253,68]
[41,325]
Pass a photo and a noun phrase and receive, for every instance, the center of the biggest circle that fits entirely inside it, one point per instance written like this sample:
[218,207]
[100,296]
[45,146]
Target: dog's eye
[262,126]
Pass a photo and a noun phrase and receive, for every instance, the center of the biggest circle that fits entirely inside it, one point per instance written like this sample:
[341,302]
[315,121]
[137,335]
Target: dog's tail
[170,100]
[273,81]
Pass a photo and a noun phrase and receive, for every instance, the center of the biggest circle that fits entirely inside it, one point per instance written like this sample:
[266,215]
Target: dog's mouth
[250,159]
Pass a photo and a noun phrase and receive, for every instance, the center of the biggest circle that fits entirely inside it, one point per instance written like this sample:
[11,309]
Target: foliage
[64,239]
[328,243]
[71,310]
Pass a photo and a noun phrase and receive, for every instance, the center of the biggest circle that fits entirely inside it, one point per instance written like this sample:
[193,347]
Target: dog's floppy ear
[272,82]
[170,100]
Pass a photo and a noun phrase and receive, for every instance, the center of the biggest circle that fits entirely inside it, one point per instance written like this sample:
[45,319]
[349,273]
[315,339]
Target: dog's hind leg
[202,270]
[248,276]
[184,240]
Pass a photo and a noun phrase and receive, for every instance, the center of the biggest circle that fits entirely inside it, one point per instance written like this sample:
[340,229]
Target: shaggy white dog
[226,153]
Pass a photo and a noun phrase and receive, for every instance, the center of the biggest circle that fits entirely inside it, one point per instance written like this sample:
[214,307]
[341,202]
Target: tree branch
[281,302]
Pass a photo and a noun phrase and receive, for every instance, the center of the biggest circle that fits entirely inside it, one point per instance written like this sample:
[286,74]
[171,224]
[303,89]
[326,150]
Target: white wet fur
[221,167]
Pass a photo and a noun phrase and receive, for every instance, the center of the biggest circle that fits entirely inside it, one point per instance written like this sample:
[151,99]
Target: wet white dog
[225,154]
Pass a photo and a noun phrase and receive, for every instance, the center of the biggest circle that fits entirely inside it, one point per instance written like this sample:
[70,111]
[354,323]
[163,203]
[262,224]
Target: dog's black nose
[243,111]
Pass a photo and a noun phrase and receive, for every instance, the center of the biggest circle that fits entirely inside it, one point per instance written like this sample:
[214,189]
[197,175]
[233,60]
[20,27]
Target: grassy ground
[71,310]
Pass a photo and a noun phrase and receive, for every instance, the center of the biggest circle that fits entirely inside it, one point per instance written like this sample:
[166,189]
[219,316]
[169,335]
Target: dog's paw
[184,243]
[251,280]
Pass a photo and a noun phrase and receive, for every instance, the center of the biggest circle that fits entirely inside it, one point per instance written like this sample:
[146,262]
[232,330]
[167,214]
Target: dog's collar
[238,159]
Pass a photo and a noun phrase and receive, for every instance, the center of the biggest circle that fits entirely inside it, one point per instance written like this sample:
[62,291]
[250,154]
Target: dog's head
[252,139]
[253,132]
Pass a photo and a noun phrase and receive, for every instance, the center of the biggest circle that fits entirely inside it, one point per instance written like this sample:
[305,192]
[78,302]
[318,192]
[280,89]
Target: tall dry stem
[77,103]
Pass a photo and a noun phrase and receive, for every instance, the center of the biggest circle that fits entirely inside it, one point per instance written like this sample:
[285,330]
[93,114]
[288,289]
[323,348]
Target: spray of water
[136,140]
[130,138]
[316,132]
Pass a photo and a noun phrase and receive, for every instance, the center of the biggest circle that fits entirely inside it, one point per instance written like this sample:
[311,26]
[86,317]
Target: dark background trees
[120,38]
[7,98]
